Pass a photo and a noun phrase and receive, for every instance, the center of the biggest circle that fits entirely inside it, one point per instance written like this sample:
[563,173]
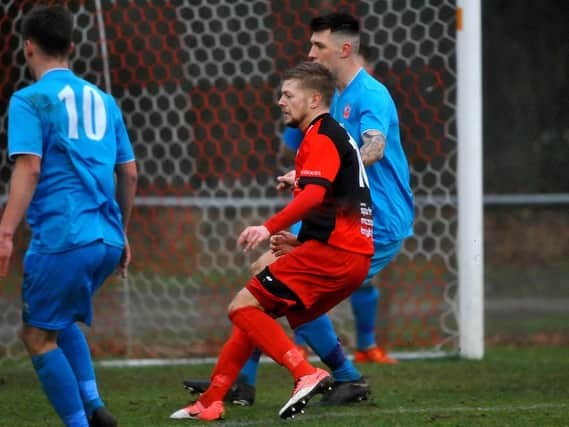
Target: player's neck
[303,126]
[49,64]
[347,74]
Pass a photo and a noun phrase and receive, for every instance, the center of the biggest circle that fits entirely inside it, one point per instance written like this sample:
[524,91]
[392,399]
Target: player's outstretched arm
[310,197]
[252,236]
[127,177]
[22,188]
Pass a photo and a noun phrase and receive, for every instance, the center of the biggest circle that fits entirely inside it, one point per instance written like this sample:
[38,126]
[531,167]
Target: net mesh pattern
[197,83]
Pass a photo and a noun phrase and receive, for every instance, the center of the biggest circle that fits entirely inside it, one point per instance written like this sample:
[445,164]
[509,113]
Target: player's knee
[37,341]
[243,299]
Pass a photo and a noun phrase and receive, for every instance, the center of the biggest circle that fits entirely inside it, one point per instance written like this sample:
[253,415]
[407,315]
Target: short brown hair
[313,76]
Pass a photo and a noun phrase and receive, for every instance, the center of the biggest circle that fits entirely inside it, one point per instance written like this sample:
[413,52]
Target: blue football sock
[319,334]
[60,386]
[74,345]
[343,369]
[298,340]
[248,373]
[364,306]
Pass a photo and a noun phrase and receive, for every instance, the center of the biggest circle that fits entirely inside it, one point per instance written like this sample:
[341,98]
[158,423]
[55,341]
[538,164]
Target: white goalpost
[469,177]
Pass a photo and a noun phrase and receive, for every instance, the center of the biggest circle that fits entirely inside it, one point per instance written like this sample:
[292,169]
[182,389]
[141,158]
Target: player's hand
[252,236]
[6,248]
[125,259]
[286,181]
[283,242]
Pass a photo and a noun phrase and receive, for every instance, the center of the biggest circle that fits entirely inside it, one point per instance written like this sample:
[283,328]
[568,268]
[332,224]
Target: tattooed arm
[372,147]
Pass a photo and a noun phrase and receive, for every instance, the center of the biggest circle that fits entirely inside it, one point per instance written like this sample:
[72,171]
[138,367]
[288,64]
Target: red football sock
[270,337]
[234,354]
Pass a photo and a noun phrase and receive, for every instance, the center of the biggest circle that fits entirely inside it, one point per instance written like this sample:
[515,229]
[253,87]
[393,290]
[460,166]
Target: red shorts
[308,281]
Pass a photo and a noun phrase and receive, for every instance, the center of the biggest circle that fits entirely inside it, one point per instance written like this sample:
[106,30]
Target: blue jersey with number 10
[79,133]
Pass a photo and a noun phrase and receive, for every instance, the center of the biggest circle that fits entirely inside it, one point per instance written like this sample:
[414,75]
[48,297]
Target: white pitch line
[127,363]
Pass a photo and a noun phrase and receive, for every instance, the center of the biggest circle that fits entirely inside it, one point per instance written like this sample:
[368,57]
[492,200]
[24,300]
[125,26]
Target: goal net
[198,82]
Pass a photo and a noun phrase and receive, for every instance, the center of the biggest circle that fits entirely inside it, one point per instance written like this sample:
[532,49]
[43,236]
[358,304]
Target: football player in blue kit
[69,143]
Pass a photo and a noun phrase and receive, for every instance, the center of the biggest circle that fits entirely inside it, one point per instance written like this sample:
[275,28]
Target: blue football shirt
[79,133]
[292,138]
[365,104]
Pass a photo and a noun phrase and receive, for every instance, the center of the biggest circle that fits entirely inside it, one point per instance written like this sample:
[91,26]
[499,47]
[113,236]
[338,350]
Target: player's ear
[28,48]
[315,100]
[71,48]
[346,50]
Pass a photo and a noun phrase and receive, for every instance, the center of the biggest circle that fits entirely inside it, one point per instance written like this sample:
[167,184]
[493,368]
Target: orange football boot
[373,355]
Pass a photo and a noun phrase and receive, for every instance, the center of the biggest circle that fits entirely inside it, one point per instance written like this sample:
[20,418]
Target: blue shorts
[383,253]
[57,288]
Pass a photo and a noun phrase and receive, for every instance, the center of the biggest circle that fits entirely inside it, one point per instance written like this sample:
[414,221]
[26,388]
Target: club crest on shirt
[347,110]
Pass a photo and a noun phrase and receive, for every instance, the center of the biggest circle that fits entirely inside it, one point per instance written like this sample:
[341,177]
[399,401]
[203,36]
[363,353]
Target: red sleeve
[311,196]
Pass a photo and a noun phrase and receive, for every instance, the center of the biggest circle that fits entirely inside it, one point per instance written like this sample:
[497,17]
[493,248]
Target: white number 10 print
[94,114]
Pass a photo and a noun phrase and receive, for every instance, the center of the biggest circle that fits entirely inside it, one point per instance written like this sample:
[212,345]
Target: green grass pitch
[511,387]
